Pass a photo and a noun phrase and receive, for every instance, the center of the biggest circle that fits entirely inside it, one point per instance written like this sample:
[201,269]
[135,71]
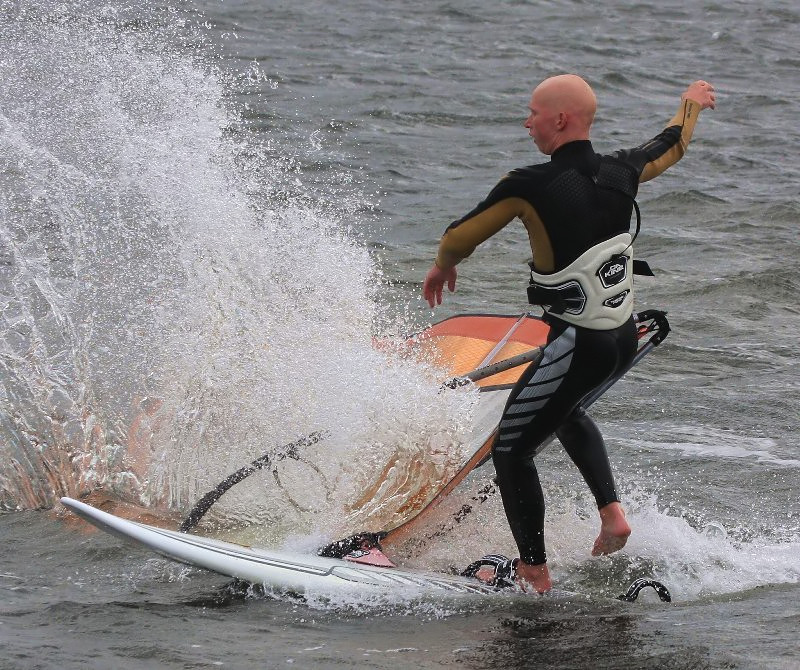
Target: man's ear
[561,121]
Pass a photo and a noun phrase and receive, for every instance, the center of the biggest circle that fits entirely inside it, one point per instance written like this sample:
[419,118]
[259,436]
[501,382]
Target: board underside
[282,570]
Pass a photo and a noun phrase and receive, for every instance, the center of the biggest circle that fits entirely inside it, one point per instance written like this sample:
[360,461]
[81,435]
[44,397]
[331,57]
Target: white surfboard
[304,573]
[286,571]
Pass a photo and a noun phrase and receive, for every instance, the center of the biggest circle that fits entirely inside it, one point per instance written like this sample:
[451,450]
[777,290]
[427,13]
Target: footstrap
[505,569]
[633,590]
[361,541]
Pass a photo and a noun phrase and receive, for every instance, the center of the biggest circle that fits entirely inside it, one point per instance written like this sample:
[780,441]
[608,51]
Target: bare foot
[614,530]
[536,577]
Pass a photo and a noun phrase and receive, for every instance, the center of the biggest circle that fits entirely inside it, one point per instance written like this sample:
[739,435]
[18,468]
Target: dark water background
[183,183]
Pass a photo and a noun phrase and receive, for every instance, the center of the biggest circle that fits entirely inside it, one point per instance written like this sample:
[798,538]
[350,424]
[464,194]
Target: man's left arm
[669,146]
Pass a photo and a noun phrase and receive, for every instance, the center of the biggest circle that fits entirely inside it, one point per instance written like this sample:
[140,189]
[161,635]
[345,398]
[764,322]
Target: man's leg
[584,444]
[574,362]
[538,403]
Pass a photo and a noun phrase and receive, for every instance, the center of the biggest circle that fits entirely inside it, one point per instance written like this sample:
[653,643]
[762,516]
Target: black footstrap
[633,590]
[505,570]
[348,545]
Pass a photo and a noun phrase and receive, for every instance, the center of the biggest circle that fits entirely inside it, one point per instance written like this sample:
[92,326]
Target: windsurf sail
[488,350]
[466,343]
[652,328]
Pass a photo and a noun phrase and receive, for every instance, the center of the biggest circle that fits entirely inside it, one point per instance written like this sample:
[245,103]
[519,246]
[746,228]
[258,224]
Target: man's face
[541,124]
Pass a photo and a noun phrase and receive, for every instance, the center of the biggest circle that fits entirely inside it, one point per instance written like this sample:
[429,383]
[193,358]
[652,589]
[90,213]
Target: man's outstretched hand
[702,93]
[434,284]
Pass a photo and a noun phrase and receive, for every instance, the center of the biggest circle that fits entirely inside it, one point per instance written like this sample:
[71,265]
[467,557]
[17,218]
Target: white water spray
[175,300]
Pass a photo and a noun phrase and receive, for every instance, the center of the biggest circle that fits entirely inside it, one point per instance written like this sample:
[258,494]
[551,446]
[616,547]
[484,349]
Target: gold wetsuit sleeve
[685,119]
[460,241]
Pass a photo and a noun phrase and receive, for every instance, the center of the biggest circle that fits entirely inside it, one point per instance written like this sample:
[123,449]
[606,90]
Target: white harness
[594,291]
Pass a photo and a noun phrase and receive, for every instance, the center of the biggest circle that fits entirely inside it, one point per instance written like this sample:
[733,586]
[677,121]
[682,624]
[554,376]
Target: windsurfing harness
[596,290]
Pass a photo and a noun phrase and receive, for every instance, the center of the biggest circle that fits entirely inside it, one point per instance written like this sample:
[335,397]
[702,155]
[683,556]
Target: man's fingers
[427,291]
[703,93]
[431,297]
[432,293]
[433,286]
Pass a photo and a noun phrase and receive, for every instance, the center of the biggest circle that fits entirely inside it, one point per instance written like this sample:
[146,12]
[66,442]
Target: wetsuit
[569,206]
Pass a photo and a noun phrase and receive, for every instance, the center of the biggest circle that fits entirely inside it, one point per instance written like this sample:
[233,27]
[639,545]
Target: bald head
[562,110]
[570,94]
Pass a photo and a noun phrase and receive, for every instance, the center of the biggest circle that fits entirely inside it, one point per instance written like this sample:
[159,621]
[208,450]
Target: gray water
[207,212]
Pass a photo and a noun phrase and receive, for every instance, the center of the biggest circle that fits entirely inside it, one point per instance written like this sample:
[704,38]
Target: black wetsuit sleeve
[502,205]
[505,188]
[665,149]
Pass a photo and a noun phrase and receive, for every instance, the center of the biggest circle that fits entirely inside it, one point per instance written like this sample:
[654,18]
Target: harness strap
[642,268]
[558,299]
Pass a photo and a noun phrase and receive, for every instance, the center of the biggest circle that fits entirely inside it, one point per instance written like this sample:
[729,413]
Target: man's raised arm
[668,147]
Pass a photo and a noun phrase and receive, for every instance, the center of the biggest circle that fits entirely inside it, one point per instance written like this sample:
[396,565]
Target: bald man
[577,210]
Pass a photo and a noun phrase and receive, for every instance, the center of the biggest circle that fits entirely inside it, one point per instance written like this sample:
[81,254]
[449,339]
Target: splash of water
[694,557]
[175,299]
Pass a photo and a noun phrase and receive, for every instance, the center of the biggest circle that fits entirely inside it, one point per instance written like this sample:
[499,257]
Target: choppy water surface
[209,210]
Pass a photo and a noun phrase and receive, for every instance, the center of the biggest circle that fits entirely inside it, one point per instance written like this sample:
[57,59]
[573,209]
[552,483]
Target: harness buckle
[568,297]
